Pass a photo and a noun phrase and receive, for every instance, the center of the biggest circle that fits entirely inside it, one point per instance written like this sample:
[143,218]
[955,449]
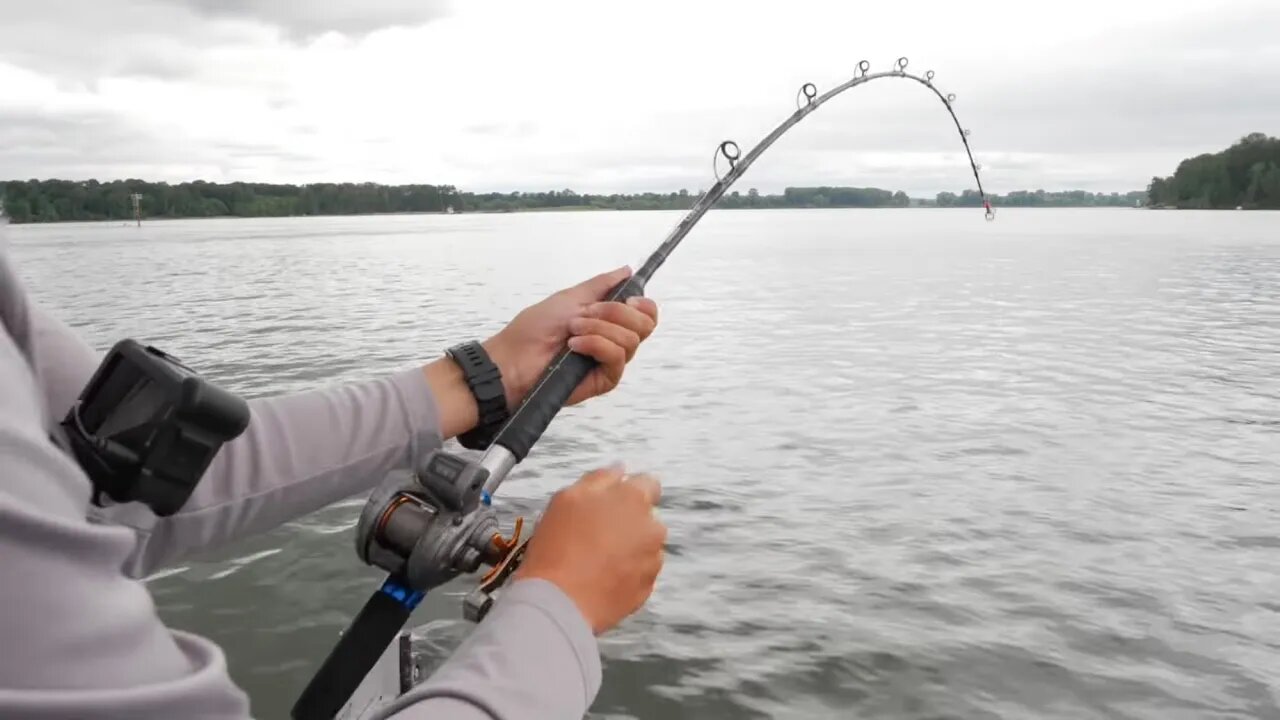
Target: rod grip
[358,650]
[553,389]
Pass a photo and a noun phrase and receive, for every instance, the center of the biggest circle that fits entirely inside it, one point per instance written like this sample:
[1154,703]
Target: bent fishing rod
[430,528]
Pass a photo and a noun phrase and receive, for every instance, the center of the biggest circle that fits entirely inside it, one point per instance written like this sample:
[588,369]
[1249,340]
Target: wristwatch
[485,380]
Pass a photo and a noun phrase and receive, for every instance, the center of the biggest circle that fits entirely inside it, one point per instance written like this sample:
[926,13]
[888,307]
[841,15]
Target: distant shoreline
[573,209]
[40,201]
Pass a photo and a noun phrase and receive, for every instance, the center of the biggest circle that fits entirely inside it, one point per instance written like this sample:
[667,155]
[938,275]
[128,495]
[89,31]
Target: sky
[502,95]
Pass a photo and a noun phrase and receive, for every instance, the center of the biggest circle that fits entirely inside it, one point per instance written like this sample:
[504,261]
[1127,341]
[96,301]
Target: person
[79,633]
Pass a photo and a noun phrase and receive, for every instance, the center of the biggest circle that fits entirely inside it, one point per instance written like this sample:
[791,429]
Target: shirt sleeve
[533,658]
[300,452]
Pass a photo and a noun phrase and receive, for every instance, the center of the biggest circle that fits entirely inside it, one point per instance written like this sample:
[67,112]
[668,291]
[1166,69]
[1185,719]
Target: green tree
[1236,176]
[1157,190]
[18,210]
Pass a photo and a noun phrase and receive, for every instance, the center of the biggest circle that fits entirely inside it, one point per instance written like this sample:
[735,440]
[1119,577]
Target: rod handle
[358,650]
[553,389]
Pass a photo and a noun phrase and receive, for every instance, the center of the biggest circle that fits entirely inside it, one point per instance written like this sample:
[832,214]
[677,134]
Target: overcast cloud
[599,96]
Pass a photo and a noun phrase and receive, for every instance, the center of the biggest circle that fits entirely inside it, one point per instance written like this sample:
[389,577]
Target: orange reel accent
[504,546]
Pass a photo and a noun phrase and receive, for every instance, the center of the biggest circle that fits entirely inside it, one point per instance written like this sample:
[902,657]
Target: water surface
[916,465]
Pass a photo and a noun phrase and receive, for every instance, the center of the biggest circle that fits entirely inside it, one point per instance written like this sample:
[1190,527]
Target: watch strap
[485,381]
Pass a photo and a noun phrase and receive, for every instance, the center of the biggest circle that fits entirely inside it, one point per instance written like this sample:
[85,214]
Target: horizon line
[461,191]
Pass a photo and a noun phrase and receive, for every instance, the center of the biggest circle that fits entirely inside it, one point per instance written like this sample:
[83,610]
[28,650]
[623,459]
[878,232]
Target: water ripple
[914,466]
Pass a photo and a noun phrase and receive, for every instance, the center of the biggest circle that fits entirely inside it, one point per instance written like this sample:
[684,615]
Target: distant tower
[137,207]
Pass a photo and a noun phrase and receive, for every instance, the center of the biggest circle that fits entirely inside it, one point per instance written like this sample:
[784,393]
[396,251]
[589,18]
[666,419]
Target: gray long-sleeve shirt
[79,633]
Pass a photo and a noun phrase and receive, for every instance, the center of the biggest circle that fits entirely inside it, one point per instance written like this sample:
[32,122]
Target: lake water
[917,465]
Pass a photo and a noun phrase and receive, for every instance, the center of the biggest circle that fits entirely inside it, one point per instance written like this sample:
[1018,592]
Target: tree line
[61,200]
[799,197]
[67,200]
[796,197]
[64,200]
[1041,198]
[1247,175]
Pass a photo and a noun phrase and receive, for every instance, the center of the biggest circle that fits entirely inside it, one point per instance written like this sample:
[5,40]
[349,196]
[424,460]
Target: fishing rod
[430,528]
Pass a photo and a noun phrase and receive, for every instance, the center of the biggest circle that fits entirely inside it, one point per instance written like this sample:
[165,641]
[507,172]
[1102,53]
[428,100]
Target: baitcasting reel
[428,529]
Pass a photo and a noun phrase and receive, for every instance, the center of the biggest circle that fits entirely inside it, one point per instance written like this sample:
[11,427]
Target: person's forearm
[456,406]
[304,451]
[300,453]
[455,403]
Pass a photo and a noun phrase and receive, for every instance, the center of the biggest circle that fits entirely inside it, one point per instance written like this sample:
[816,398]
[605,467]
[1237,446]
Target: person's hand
[601,544]
[609,332]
